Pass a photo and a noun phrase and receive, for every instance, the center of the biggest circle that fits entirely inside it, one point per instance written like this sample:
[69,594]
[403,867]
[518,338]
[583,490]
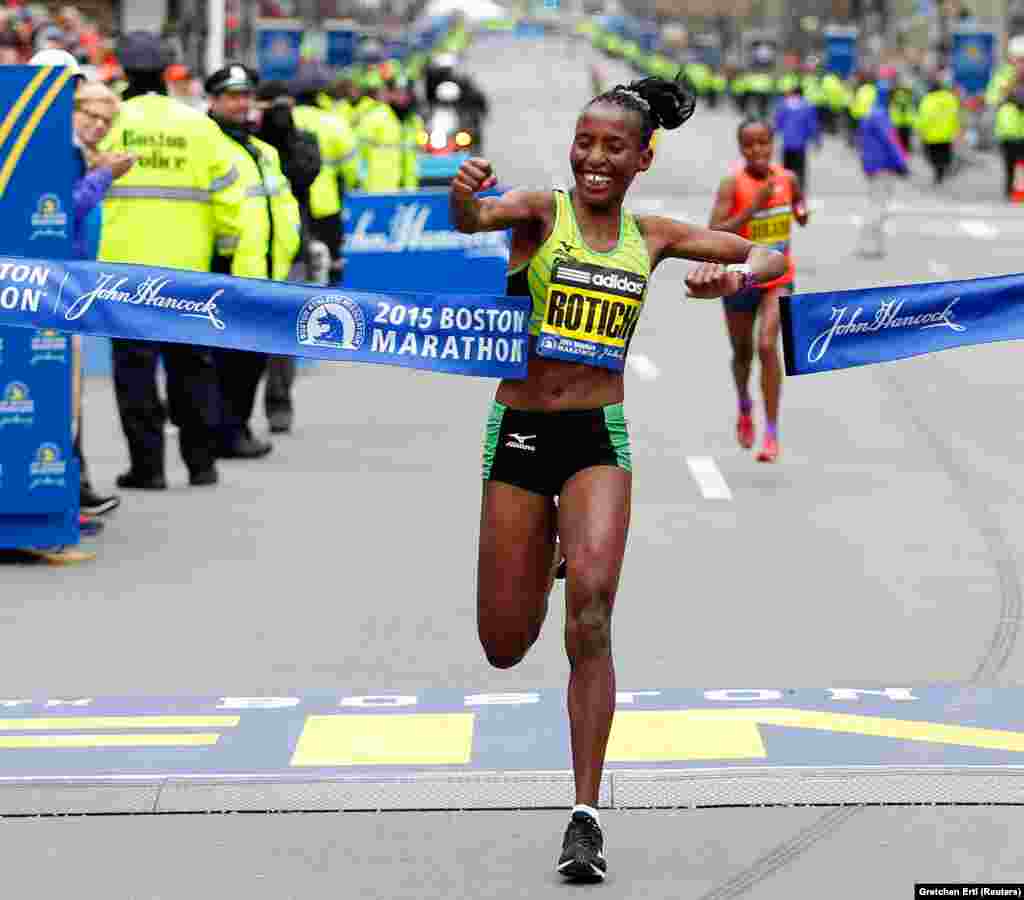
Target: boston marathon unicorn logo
[16,405]
[49,218]
[48,468]
[332,320]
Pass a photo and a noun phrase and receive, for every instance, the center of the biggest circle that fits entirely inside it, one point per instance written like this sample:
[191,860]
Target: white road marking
[977,228]
[708,477]
[643,366]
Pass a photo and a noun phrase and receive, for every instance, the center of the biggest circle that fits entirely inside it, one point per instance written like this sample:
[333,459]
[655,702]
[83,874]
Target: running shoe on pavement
[582,856]
[745,431]
[769,453]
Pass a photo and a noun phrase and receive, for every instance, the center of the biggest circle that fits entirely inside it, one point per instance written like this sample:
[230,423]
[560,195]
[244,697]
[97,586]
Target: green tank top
[586,304]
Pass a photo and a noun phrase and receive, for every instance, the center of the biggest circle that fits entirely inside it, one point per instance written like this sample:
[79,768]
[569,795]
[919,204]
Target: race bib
[591,314]
[772,226]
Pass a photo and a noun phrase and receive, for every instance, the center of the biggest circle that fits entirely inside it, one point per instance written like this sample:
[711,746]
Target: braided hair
[659,103]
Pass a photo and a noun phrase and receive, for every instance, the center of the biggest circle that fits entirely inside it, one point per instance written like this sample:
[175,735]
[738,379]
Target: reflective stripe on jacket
[183,198]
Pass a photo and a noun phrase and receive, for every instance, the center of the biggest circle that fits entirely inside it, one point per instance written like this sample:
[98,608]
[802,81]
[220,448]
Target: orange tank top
[771,226]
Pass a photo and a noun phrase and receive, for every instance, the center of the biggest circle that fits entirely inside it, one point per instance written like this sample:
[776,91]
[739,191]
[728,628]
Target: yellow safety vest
[380,146]
[863,100]
[1009,123]
[412,125]
[182,200]
[338,158]
[271,212]
[938,117]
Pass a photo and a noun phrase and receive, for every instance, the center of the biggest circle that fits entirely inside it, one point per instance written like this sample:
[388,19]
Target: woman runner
[759,201]
[585,261]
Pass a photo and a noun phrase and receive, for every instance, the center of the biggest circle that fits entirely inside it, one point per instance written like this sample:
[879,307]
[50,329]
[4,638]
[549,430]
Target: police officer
[403,101]
[269,242]
[380,141]
[299,152]
[338,170]
[181,200]
[938,126]
[1009,132]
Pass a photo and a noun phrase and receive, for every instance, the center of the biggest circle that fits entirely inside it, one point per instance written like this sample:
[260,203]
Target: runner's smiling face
[757,144]
[606,154]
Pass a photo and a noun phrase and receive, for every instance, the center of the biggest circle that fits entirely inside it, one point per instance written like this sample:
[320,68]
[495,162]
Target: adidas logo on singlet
[619,282]
[596,279]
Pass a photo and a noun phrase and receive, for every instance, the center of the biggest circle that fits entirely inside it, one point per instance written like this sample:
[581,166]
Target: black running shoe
[582,856]
[92,504]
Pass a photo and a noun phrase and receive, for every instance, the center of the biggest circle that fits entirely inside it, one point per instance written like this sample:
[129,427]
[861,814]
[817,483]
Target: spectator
[96,108]
[882,158]
[10,54]
[300,161]
[797,122]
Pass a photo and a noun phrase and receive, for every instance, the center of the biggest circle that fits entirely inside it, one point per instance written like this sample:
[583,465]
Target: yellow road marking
[23,99]
[706,734]
[30,127]
[59,741]
[83,723]
[417,739]
[679,735]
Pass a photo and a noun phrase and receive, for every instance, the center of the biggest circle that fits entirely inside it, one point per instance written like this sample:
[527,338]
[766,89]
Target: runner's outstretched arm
[471,214]
[669,239]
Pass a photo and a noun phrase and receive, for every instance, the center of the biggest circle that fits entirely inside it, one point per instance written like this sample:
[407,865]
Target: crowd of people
[258,192]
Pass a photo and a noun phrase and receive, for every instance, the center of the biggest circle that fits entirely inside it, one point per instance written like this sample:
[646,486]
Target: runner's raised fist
[475,174]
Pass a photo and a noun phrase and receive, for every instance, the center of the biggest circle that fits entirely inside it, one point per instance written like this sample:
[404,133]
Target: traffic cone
[1017,191]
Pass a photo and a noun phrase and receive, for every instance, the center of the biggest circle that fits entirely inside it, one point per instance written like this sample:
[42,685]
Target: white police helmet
[448,92]
[54,57]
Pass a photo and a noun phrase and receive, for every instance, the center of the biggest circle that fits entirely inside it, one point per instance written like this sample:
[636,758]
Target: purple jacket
[87,193]
[880,149]
[797,121]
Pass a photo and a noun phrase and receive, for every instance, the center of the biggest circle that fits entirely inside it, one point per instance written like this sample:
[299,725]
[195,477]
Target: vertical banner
[841,51]
[406,242]
[973,58]
[278,48]
[38,476]
[341,43]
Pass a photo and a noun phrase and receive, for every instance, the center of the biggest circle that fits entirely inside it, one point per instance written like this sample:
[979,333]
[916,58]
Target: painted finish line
[459,732]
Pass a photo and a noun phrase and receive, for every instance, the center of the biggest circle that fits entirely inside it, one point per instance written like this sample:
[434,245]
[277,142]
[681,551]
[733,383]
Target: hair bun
[671,102]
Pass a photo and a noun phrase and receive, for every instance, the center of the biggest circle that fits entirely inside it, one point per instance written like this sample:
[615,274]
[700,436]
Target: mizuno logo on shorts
[518,442]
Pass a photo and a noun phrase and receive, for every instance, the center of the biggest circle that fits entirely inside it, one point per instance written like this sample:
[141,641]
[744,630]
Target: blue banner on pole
[973,59]
[840,330]
[841,51]
[38,474]
[278,48]
[462,334]
[406,242]
[341,46]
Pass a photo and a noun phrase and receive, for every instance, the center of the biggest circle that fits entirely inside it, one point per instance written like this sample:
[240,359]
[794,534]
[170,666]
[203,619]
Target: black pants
[796,162]
[277,396]
[238,373]
[940,157]
[1012,152]
[193,403]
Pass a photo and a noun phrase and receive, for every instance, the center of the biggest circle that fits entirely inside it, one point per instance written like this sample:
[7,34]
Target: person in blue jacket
[95,109]
[883,160]
[796,122]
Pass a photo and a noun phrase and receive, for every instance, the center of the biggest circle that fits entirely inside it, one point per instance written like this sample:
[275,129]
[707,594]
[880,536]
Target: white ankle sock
[589,810]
